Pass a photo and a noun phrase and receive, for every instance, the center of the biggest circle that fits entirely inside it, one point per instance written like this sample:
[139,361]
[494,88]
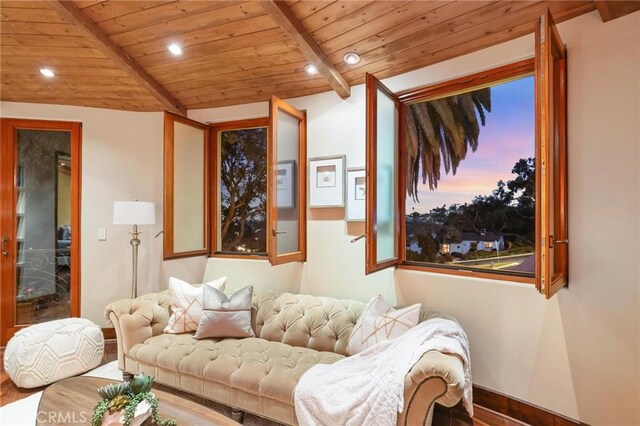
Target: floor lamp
[134,213]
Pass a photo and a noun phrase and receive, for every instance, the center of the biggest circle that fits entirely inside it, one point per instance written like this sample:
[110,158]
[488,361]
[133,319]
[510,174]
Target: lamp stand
[135,242]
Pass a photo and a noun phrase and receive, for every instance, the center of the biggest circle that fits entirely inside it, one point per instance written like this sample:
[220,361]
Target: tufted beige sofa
[258,375]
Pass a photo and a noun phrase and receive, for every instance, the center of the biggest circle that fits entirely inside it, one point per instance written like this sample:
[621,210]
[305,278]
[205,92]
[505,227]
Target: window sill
[239,256]
[469,273]
[181,255]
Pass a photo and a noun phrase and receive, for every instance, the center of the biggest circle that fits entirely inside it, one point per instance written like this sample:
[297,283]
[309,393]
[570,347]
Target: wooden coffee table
[71,401]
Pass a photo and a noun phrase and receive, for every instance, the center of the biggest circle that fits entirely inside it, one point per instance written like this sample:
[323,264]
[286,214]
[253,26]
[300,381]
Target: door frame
[8,200]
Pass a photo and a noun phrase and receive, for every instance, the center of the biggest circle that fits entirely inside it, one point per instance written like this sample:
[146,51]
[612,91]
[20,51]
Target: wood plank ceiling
[235,52]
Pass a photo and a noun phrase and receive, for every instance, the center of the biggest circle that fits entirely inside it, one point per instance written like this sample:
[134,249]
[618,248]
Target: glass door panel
[40,224]
[43,231]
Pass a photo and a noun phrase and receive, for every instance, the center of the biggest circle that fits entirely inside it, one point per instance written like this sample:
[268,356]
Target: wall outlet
[102,234]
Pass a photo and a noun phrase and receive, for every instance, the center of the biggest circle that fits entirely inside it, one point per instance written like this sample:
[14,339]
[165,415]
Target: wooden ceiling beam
[73,15]
[610,10]
[286,19]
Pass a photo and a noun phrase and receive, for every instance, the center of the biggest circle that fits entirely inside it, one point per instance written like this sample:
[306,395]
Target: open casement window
[543,199]
[239,177]
[383,195]
[551,171]
[186,187]
[286,180]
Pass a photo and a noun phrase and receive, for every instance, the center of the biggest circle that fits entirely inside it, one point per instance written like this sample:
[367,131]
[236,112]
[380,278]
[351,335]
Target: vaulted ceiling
[113,54]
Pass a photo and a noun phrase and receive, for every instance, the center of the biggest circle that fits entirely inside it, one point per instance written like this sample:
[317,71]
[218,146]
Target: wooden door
[40,222]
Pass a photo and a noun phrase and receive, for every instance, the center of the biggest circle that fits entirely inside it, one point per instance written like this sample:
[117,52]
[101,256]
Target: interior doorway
[40,222]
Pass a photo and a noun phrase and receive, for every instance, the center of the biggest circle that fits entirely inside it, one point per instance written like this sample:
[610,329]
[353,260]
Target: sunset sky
[507,137]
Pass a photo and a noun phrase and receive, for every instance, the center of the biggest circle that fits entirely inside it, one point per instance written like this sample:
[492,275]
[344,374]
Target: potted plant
[129,404]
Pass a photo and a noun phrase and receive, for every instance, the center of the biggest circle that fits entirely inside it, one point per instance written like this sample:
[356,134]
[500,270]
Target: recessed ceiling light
[311,69]
[175,49]
[47,72]
[351,58]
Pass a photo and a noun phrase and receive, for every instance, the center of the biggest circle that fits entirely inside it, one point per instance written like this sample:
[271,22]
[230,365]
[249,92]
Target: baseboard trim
[519,410]
[486,416]
[109,333]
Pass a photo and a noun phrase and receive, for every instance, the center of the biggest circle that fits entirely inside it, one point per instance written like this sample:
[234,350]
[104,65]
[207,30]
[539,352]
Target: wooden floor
[456,416]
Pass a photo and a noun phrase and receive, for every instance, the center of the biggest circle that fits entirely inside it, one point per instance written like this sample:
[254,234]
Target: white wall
[577,354]
[121,160]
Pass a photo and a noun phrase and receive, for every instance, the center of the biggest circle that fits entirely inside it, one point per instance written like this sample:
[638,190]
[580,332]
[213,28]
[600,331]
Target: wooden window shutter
[383,189]
[551,158]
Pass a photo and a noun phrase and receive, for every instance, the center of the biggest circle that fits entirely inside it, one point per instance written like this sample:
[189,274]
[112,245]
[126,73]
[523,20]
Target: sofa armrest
[436,377]
[135,320]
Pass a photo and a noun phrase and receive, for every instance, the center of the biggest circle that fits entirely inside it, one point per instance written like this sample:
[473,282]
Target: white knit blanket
[368,388]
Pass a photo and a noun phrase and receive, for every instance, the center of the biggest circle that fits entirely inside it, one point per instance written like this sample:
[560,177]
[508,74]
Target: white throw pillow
[379,322]
[186,304]
[224,316]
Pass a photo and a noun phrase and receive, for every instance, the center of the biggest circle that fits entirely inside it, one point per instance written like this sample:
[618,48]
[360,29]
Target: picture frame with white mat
[326,181]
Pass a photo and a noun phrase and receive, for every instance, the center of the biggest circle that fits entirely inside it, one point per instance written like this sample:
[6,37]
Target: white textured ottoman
[51,351]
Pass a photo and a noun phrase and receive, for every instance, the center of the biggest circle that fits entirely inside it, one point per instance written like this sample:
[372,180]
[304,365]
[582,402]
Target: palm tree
[441,131]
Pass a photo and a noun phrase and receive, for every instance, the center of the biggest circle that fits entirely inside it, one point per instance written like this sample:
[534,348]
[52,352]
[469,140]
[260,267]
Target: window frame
[215,129]
[486,78]
[548,66]
[371,257]
[551,145]
[275,105]
[168,187]
[211,181]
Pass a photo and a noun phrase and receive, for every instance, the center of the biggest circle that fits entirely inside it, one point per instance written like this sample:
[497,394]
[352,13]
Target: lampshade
[134,213]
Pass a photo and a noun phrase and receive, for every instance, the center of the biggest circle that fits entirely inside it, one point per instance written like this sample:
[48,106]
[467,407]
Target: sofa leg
[126,377]
[237,415]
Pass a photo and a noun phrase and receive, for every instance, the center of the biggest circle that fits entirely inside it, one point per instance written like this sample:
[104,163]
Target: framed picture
[326,181]
[285,181]
[356,193]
